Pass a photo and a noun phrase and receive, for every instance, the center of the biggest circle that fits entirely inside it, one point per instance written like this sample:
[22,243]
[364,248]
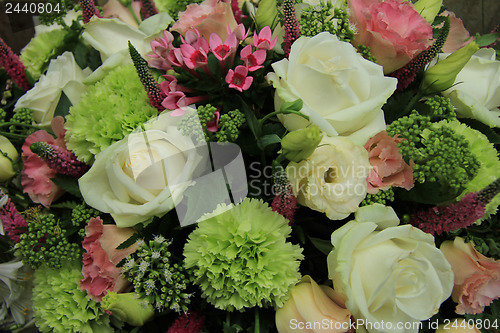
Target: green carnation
[240,256]
[43,47]
[59,305]
[487,155]
[110,110]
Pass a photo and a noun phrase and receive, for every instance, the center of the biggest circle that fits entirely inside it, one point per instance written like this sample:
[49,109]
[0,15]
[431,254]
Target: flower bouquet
[250,166]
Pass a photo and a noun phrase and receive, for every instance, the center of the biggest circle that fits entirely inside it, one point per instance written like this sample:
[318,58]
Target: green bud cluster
[80,216]
[3,114]
[366,52]
[60,8]
[45,242]
[441,108]
[229,126]
[324,17]
[22,116]
[190,124]
[156,277]
[439,154]
[381,197]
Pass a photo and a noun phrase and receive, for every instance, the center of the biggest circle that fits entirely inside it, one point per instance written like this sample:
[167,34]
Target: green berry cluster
[229,126]
[190,124]
[324,17]
[3,114]
[58,12]
[155,276]
[366,52]
[441,108]
[381,197]
[45,242]
[439,153]
[80,216]
[22,116]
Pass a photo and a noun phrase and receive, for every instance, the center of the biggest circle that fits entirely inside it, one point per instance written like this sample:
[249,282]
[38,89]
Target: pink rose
[115,9]
[100,273]
[36,175]
[393,30]
[477,278]
[211,16]
[389,167]
[458,36]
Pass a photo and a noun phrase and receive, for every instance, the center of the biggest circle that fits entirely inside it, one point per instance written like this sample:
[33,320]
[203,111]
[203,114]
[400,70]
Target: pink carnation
[211,16]
[393,29]
[477,278]
[389,167]
[100,273]
[36,175]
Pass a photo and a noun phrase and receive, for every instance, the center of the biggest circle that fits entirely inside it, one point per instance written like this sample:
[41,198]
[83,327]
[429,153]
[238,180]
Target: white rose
[476,91]
[392,275]
[333,179]
[63,75]
[342,92]
[143,175]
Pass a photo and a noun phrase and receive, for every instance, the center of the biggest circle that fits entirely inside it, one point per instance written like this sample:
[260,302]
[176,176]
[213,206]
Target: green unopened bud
[8,156]
[128,307]
[442,75]
[428,9]
[299,145]
[267,14]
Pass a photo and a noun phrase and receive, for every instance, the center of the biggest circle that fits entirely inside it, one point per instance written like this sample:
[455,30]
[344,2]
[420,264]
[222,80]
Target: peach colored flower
[393,29]
[100,273]
[36,175]
[458,36]
[115,9]
[389,167]
[477,278]
[211,16]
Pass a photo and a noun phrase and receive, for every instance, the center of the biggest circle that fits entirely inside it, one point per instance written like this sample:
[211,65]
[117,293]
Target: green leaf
[131,240]
[252,121]
[268,139]
[487,39]
[213,65]
[66,204]
[67,183]
[324,246]
[62,108]
[292,106]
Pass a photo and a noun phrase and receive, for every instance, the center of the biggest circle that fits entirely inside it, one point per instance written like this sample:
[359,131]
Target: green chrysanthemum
[59,305]
[110,110]
[486,154]
[36,55]
[240,256]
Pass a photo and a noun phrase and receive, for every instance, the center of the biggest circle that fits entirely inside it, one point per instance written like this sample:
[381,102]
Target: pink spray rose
[36,175]
[393,29]
[477,278]
[211,16]
[389,167]
[100,273]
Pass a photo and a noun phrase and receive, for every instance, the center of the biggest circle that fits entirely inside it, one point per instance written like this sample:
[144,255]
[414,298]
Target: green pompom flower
[59,305]
[487,155]
[43,47]
[110,110]
[240,256]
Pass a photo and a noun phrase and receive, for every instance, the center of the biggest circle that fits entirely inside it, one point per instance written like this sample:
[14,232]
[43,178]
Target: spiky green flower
[241,258]
[156,277]
[486,154]
[43,47]
[110,110]
[60,306]
[324,17]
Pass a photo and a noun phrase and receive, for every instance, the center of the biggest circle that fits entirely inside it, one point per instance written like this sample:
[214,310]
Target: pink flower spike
[253,61]
[263,39]
[213,125]
[222,51]
[239,31]
[193,58]
[238,78]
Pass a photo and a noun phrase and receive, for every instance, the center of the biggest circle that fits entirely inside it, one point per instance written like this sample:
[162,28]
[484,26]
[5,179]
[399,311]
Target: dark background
[478,16]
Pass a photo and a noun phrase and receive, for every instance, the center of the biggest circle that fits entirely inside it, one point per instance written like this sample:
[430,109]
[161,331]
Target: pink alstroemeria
[238,78]
[193,58]
[239,31]
[220,50]
[253,61]
[263,39]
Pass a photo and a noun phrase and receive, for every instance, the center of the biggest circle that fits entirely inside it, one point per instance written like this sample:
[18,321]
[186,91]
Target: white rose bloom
[342,92]
[388,273]
[476,91]
[63,75]
[144,175]
[333,179]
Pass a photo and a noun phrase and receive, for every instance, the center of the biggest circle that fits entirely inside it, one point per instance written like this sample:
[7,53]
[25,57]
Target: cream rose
[342,92]
[476,91]
[333,179]
[63,75]
[387,272]
[143,175]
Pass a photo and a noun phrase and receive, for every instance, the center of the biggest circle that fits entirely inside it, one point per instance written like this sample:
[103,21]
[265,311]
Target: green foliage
[324,17]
